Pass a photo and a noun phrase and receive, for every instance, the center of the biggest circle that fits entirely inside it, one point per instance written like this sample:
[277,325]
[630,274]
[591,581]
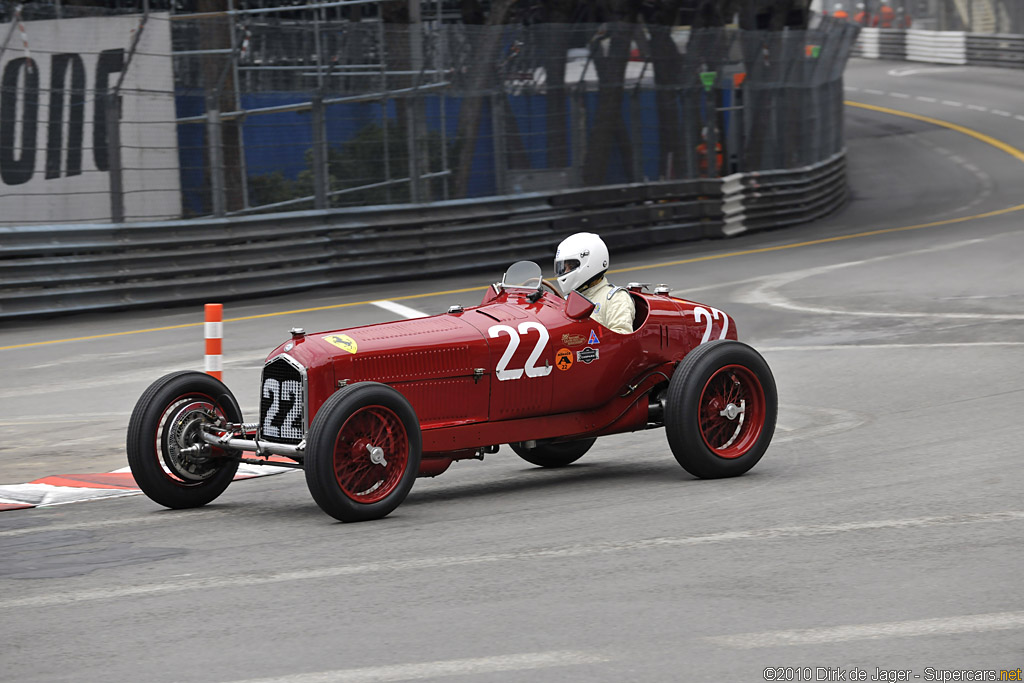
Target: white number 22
[700,312]
[502,372]
[281,392]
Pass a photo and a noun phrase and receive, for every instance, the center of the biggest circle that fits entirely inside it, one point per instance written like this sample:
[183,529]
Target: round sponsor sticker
[563,359]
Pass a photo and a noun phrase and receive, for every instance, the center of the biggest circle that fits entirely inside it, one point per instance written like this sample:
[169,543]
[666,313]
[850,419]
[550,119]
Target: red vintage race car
[366,410]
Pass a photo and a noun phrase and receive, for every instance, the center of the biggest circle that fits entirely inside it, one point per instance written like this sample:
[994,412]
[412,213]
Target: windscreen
[525,274]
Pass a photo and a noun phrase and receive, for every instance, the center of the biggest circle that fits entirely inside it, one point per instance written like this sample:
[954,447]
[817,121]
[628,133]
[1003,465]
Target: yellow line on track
[987,139]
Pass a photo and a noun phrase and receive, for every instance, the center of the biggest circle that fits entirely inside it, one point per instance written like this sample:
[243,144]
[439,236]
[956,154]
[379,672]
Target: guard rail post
[112,111]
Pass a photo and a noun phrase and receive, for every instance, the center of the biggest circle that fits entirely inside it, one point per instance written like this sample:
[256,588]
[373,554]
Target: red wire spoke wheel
[363,452]
[732,411]
[371,454]
[721,408]
[168,458]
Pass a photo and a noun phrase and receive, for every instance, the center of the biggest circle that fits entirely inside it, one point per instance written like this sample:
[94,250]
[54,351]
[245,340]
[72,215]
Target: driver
[580,263]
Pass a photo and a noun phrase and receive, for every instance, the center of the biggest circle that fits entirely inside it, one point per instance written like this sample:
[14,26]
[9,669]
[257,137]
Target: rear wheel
[363,452]
[168,458]
[553,454]
[720,409]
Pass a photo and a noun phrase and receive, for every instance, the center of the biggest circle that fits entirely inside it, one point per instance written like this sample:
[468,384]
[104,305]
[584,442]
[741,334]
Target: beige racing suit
[613,306]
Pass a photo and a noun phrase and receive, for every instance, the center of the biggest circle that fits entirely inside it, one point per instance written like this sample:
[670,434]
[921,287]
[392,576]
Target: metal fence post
[500,140]
[320,172]
[216,151]
[412,147]
[236,53]
[637,134]
[415,107]
[578,102]
[113,130]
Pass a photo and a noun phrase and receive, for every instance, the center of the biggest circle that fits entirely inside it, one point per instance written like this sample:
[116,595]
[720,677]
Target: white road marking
[976,107]
[828,421]
[951,103]
[1019,117]
[922,98]
[41,495]
[768,295]
[450,667]
[901,95]
[1000,112]
[973,623]
[850,88]
[872,347]
[63,417]
[401,310]
[220,581]
[156,516]
[763,296]
[872,91]
[913,71]
[47,494]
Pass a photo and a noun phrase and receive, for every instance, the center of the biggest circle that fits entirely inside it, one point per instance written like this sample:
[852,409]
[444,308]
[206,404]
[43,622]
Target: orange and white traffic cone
[214,328]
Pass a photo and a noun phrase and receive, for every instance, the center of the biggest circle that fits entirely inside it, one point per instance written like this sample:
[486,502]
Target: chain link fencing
[230,113]
[972,16]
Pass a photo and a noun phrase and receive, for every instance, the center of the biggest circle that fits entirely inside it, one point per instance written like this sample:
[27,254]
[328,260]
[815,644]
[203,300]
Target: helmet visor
[566,266]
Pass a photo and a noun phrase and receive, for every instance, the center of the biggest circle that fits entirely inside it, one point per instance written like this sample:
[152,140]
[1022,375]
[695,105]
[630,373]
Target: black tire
[553,454]
[709,438]
[345,482]
[164,420]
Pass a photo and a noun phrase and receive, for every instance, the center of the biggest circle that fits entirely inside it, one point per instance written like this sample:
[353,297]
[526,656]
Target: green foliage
[270,188]
[357,162]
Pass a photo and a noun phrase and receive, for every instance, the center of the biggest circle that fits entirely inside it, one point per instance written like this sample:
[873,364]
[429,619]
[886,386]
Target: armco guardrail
[995,50]
[880,43]
[942,47]
[48,270]
[772,199]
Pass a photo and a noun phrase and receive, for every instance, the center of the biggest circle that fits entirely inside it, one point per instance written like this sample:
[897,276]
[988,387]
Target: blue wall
[279,142]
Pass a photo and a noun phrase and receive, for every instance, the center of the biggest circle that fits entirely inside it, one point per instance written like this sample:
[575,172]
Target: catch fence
[971,16]
[228,114]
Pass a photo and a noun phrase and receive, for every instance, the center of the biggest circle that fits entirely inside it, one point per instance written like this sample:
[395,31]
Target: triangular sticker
[593,338]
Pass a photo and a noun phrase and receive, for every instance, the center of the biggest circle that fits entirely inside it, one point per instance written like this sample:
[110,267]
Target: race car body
[366,410]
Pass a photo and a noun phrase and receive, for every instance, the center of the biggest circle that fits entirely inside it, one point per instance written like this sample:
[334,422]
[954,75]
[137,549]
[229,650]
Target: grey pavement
[882,531]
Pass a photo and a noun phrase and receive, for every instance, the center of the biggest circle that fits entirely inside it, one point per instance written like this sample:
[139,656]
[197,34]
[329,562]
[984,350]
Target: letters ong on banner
[53,140]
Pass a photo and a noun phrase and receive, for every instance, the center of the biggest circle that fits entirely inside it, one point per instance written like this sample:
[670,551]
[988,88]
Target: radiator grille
[282,402]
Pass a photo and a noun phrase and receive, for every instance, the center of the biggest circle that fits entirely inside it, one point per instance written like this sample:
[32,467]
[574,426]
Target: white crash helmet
[580,259]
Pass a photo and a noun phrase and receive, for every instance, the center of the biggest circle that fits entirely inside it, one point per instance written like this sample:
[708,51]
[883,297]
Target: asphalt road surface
[882,532]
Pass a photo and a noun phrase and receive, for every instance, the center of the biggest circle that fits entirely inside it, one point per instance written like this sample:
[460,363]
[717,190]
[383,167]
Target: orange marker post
[214,328]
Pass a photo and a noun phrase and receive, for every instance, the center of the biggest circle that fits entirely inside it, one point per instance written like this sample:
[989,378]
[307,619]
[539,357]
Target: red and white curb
[74,488]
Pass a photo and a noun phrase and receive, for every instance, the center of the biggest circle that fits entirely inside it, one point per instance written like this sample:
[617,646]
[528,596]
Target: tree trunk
[215,33]
[395,15]
[481,69]
[608,121]
[668,69]
[555,37]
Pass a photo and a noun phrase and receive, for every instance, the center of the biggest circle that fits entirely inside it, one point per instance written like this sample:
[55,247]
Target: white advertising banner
[54,159]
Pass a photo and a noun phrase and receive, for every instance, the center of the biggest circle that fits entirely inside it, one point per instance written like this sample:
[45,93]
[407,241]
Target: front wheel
[363,452]
[553,454]
[720,409]
[168,458]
